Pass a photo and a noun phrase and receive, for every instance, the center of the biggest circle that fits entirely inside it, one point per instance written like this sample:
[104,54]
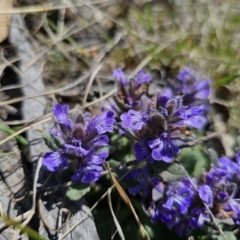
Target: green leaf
[50,141]
[173,173]
[77,191]
[225,80]
[193,160]
[113,163]
[228,235]
[9,131]
[200,163]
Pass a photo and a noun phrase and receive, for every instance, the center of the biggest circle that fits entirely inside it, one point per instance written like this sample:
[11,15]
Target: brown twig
[202,139]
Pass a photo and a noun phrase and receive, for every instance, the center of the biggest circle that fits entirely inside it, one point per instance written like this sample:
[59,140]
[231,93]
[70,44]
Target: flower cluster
[159,127]
[182,204]
[160,124]
[84,145]
[129,91]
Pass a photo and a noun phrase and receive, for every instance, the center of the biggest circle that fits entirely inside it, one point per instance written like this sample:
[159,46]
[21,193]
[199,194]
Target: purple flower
[102,123]
[164,96]
[54,160]
[118,74]
[198,122]
[163,148]
[141,175]
[133,119]
[84,145]
[75,149]
[130,90]
[143,151]
[185,76]
[169,216]
[215,176]
[233,209]
[198,217]
[62,117]
[202,90]
[180,197]
[140,78]
[229,166]
[97,157]
[192,87]
[192,116]
[145,185]
[205,193]
[87,173]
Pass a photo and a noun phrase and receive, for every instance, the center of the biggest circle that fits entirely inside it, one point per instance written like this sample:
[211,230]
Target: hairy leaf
[228,235]
[53,143]
[173,173]
[77,191]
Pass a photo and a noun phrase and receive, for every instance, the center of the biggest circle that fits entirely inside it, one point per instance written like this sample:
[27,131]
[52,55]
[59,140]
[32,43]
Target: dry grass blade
[64,88]
[43,7]
[110,18]
[34,197]
[90,83]
[47,224]
[118,226]
[127,201]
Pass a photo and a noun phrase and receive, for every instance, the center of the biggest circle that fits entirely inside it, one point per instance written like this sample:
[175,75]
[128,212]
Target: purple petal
[133,119]
[118,74]
[53,160]
[198,122]
[195,111]
[205,193]
[97,157]
[234,206]
[202,89]
[142,151]
[238,158]
[75,150]
[99,141]
[163,97]
[103,122]
[168,204]
[222,196]
[135,190]
[165,148]
[87,174]
[200,216]
[185,75]
[228,165]
[61,114]
[156,154]
[154,143]
[215,176]
[141,77]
